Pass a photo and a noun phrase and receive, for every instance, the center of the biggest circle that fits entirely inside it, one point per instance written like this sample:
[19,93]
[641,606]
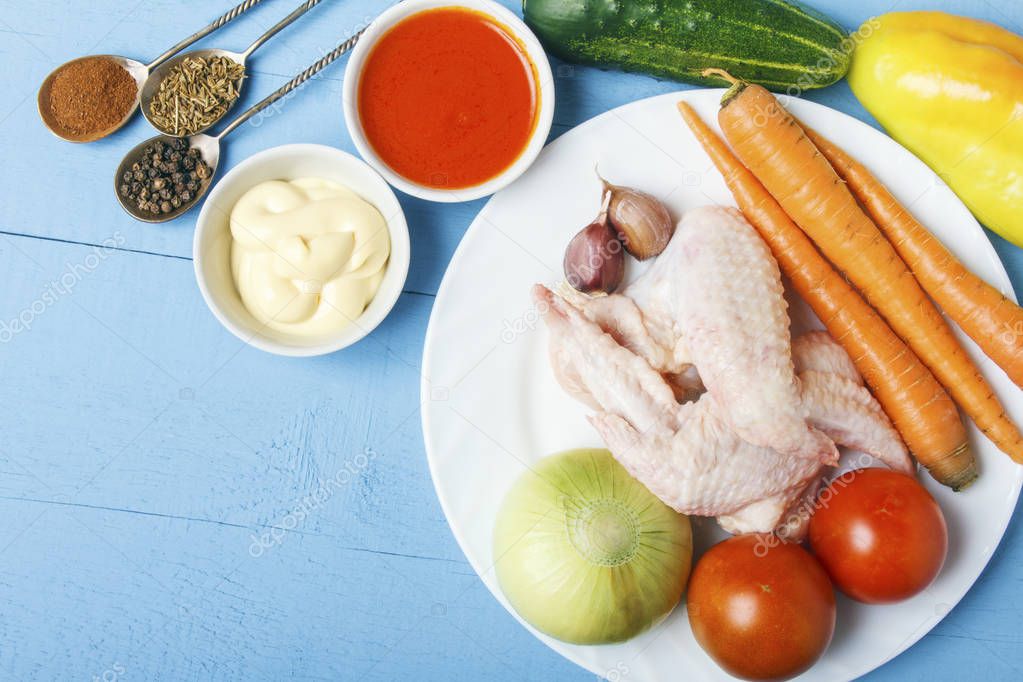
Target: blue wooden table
[165,490]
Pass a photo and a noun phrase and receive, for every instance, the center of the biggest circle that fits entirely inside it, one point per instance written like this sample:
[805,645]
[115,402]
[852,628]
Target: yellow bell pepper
[950,89]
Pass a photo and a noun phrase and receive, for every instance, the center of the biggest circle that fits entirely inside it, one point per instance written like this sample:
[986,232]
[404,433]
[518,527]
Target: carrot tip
[966,480]
[957,469]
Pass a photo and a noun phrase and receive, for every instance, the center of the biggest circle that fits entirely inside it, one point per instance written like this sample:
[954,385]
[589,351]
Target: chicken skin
[689,455]
[698,389]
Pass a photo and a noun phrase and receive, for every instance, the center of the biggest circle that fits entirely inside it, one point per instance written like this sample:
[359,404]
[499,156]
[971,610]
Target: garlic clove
[642,221]
[594,260]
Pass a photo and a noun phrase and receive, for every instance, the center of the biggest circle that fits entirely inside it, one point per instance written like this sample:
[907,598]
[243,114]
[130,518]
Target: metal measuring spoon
[152,85]
[139,71]
[209,145]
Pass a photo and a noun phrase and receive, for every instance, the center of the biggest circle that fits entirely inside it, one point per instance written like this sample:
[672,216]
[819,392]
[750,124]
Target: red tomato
[762,609]
[880,535]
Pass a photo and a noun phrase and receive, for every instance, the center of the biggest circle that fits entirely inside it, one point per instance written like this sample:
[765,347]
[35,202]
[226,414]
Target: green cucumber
[779,44]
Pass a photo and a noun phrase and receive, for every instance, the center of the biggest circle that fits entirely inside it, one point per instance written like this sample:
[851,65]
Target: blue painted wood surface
[178,506]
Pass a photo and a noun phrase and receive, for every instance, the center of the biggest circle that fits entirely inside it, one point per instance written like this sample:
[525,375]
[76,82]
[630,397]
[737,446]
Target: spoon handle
[226,18]
[276,28]
[292,84]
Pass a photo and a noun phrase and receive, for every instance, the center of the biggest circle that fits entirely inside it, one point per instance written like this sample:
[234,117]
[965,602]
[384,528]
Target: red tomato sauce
[448,98]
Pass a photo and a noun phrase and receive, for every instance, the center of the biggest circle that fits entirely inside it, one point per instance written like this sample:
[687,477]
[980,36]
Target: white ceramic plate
[491,404]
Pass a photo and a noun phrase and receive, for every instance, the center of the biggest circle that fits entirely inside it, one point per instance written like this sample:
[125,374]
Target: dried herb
[90,96]
[195,93]
[167,176]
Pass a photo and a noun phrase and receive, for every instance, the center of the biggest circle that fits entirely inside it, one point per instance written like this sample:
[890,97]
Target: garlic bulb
[642,221]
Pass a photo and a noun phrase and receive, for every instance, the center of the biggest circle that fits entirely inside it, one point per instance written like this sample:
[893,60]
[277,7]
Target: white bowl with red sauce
[450,100]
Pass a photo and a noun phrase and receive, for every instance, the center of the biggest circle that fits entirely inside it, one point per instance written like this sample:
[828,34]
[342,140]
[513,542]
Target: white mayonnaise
[307,255]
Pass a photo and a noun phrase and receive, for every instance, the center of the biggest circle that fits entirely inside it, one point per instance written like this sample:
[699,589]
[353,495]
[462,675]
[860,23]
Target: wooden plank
[150,405]
[90,592]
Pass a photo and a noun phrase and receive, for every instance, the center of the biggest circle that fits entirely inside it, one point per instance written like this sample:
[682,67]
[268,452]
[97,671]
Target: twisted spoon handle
[226,18]
[280,25]
[292,84]
[232,14]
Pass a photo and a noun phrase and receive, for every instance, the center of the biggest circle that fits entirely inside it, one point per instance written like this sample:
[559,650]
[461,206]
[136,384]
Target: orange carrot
[777,151]
[989,318]
[919,407]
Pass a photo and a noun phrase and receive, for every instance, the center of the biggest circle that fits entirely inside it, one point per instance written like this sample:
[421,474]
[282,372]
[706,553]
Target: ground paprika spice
[89,96]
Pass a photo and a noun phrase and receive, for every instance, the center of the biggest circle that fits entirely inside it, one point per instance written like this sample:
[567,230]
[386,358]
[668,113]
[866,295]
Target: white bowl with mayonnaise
[301,250]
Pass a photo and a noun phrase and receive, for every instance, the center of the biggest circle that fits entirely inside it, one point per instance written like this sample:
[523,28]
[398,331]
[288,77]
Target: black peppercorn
[166,177]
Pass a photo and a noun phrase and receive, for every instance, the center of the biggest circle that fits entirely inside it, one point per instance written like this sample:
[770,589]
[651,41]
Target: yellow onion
[586,554]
